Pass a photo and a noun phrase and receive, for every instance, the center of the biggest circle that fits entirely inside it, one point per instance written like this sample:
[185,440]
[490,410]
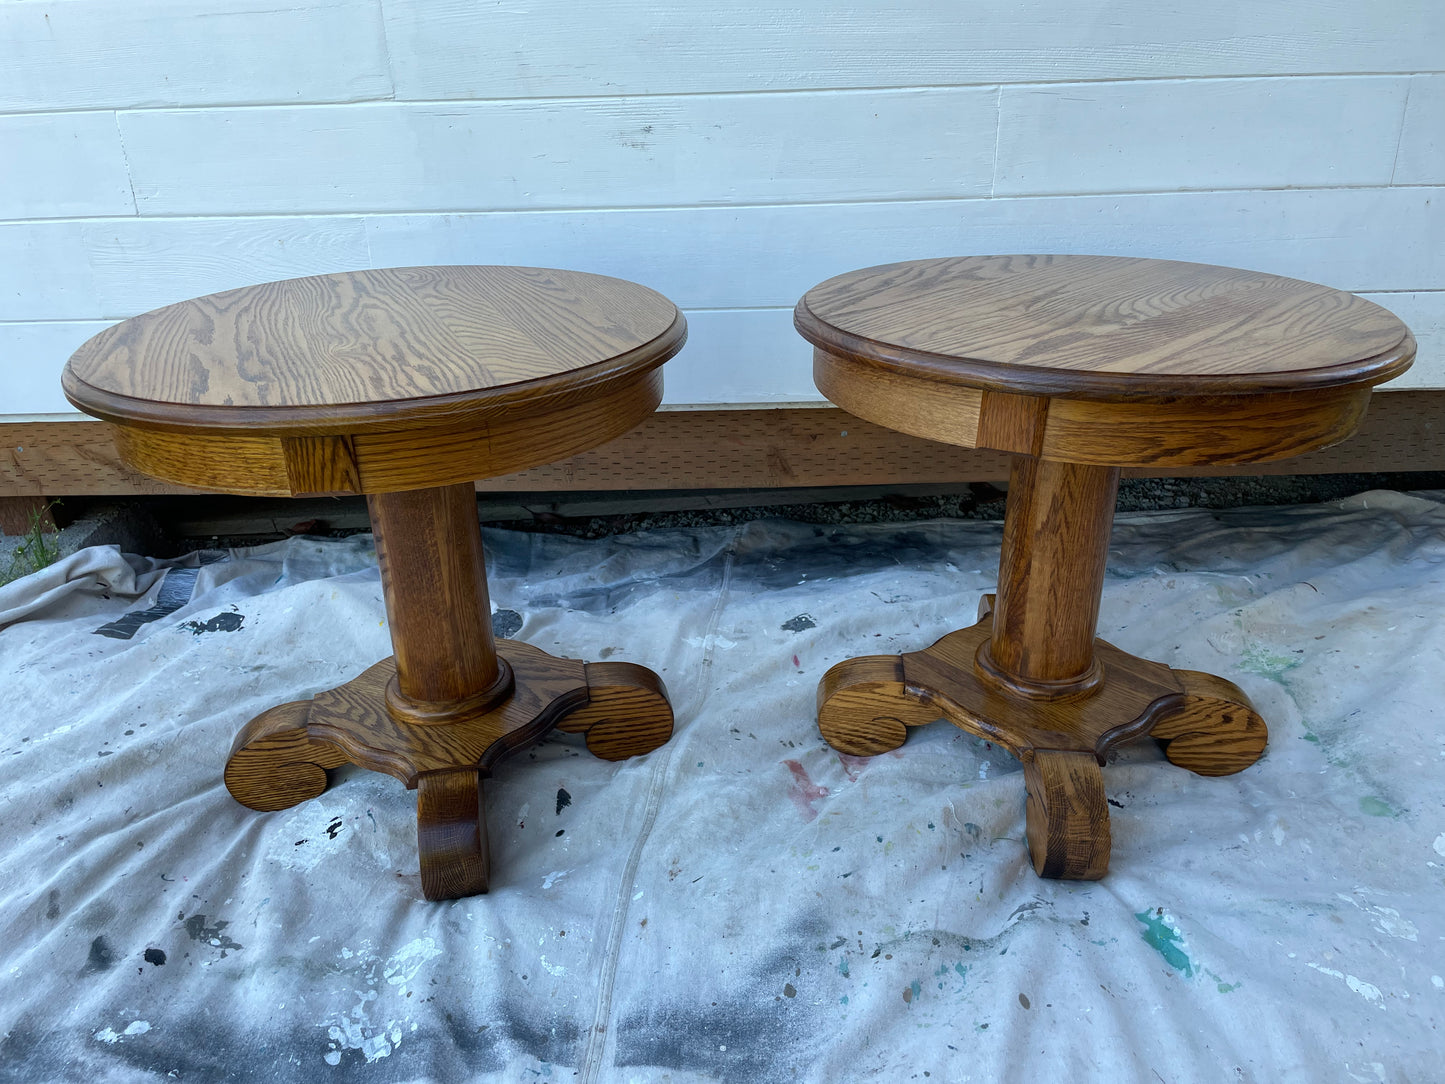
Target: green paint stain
[917,988]
[1165,941]
[1375,807]
[1229,988]
[843,966]
[1260,660]
[843,1000]
[1312,737]
[962,971]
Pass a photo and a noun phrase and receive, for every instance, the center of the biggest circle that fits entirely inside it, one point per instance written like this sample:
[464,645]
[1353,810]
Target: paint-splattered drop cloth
[743,904]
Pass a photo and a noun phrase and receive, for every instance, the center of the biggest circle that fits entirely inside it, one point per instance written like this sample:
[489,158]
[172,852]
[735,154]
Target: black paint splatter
[333,828]
[505,623]
[52,904]
[222,622]
[563,799]
[155,956]
[799,623]
[101,958]
[214,936]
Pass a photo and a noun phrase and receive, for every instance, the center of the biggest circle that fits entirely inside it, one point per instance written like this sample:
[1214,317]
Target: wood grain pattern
[730,449]
[490,442]
[1102,327]
[920,408]
[1067,815]
[867,701]
[1201,431]
[371,350]
[627,711]
[451,834]
[865,706]
[433,574]
[280,758]
[1051,577]
[1130,695]
[323,466]
[276,763]
[1216,731]
[1206,724]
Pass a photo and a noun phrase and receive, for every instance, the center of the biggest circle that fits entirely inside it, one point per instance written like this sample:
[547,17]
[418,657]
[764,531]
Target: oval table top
[377,349]
[1103,327]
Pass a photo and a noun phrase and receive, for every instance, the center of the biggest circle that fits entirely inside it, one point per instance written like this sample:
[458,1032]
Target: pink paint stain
[853,766]
[803,791]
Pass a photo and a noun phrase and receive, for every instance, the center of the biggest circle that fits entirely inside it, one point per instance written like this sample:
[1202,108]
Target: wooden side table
[404,384]
[1079,365]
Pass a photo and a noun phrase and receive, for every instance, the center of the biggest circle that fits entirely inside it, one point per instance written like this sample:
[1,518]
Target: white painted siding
[729,154]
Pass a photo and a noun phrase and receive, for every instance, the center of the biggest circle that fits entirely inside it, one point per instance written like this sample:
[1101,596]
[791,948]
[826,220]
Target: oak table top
[1103,360]
[1107,327]
[427,375]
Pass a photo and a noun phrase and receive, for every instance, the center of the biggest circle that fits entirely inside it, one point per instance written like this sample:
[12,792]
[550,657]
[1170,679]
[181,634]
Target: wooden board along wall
[739,449]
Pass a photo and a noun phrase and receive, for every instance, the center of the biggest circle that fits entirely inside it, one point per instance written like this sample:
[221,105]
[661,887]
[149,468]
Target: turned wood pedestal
[1079,365]
[403,384]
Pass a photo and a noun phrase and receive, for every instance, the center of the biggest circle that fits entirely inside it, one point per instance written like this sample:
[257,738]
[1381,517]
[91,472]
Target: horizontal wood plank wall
[741,449]
[729,154]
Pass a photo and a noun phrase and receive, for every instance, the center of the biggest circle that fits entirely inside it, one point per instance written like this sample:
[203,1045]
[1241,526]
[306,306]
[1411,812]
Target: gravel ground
[982,501]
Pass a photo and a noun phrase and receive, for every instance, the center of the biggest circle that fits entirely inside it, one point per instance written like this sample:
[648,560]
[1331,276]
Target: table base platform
[280,758]
[1205,723]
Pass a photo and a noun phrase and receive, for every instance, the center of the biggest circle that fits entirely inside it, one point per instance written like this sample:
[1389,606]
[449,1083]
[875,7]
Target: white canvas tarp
[743,904]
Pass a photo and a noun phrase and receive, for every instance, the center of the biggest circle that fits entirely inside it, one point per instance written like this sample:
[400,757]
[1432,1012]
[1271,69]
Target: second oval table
[1079,365]
[405,384]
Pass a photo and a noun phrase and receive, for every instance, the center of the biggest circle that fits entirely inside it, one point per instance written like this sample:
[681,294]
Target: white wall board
[98,54]
[603,152]
[32,356]
[54,165]
[545,48]
[1199,134]
[1422,141]
[730,154]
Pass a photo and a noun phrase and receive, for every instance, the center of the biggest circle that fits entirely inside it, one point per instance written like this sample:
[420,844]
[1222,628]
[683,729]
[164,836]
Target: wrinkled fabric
[742,904]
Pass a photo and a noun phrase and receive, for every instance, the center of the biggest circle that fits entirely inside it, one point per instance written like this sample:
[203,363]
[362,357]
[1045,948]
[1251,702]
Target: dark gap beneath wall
[210,521]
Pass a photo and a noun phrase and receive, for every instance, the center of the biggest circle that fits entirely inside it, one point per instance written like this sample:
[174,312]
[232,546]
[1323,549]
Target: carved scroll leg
[451,834]
[627,711]
[1068,815]
[1217,731]
[275,763]
[865,708]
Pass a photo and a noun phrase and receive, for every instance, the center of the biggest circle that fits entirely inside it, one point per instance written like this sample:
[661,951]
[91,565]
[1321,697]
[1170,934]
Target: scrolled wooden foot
[451,834]
[627,711]
[275,764]
[865,707]
[1068,815]
[1216,731]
